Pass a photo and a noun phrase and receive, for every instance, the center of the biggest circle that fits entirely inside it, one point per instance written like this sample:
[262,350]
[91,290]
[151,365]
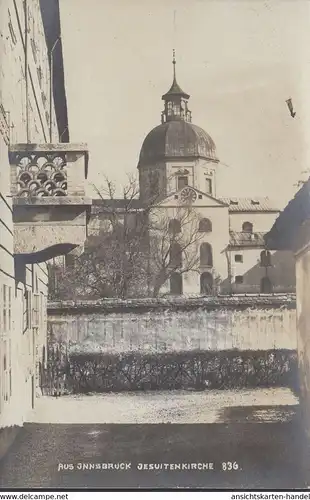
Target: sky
[238,59]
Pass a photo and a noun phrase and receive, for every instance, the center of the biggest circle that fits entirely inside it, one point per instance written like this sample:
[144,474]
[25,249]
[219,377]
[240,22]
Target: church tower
[176,153]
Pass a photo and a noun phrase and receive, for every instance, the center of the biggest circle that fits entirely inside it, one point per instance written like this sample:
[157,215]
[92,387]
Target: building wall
[261,221]
[281,272]
[220,329]
[225,268]
[24,115]
[167,172]
[303,328]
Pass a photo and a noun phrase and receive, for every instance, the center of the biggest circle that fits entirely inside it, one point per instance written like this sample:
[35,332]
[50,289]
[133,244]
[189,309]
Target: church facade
[199,243]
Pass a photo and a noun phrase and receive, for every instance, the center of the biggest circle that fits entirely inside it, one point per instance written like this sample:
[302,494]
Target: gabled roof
[200,195]
[284,231]
[253,204]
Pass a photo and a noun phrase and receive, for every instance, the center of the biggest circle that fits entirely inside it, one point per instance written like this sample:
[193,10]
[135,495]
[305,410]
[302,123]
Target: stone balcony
[50,208]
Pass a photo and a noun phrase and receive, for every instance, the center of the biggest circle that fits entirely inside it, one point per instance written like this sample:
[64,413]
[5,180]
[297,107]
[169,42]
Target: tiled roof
[250,204]
[242,239]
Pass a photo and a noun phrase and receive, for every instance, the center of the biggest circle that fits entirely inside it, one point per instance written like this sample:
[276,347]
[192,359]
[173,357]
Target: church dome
[176,139]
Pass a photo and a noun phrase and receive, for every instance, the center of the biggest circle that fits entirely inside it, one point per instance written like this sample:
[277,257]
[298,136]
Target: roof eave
[169,95]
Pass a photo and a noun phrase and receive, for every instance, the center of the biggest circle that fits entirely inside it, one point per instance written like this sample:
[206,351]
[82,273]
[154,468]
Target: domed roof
[176,139]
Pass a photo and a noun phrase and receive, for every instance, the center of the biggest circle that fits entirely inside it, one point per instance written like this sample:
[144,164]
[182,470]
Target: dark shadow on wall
[51,21]
[281,274]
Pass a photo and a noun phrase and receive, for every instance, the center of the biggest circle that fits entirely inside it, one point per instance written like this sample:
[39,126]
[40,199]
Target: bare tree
[136,247]
[173,244]
[113,261]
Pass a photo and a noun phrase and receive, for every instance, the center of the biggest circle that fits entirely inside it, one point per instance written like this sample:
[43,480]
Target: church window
[265,258]
[209,186]
[239,280]
[238,258]
[206,284]
[206,257]
[176,284]
[176,255]
[205,226]
[182,181]
[247,227]
[174,226]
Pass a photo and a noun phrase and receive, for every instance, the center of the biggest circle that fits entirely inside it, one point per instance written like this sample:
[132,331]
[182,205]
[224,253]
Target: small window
[182,181]
[247,227]
[238,258]
[239,280]
[205,226]
[177,109]
[209,186]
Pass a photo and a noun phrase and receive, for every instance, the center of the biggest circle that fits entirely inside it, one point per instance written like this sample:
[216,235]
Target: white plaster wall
[218,239]
[16,346]
[261,221]
[179,330]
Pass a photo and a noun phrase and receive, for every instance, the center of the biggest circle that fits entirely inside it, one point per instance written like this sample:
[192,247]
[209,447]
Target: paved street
[156,407]
[261,438]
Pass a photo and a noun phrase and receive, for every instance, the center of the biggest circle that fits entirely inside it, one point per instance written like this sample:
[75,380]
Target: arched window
[206,283]
[265,285]
[205,226]
[176,284]
[265,258]
[206,258]
[175,255]
[174,226]
[247,227]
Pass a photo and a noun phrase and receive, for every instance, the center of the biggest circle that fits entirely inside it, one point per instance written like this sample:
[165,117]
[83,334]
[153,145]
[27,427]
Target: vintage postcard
[154,245]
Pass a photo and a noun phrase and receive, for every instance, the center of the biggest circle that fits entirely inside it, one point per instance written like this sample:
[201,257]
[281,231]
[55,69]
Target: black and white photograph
[154,245]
